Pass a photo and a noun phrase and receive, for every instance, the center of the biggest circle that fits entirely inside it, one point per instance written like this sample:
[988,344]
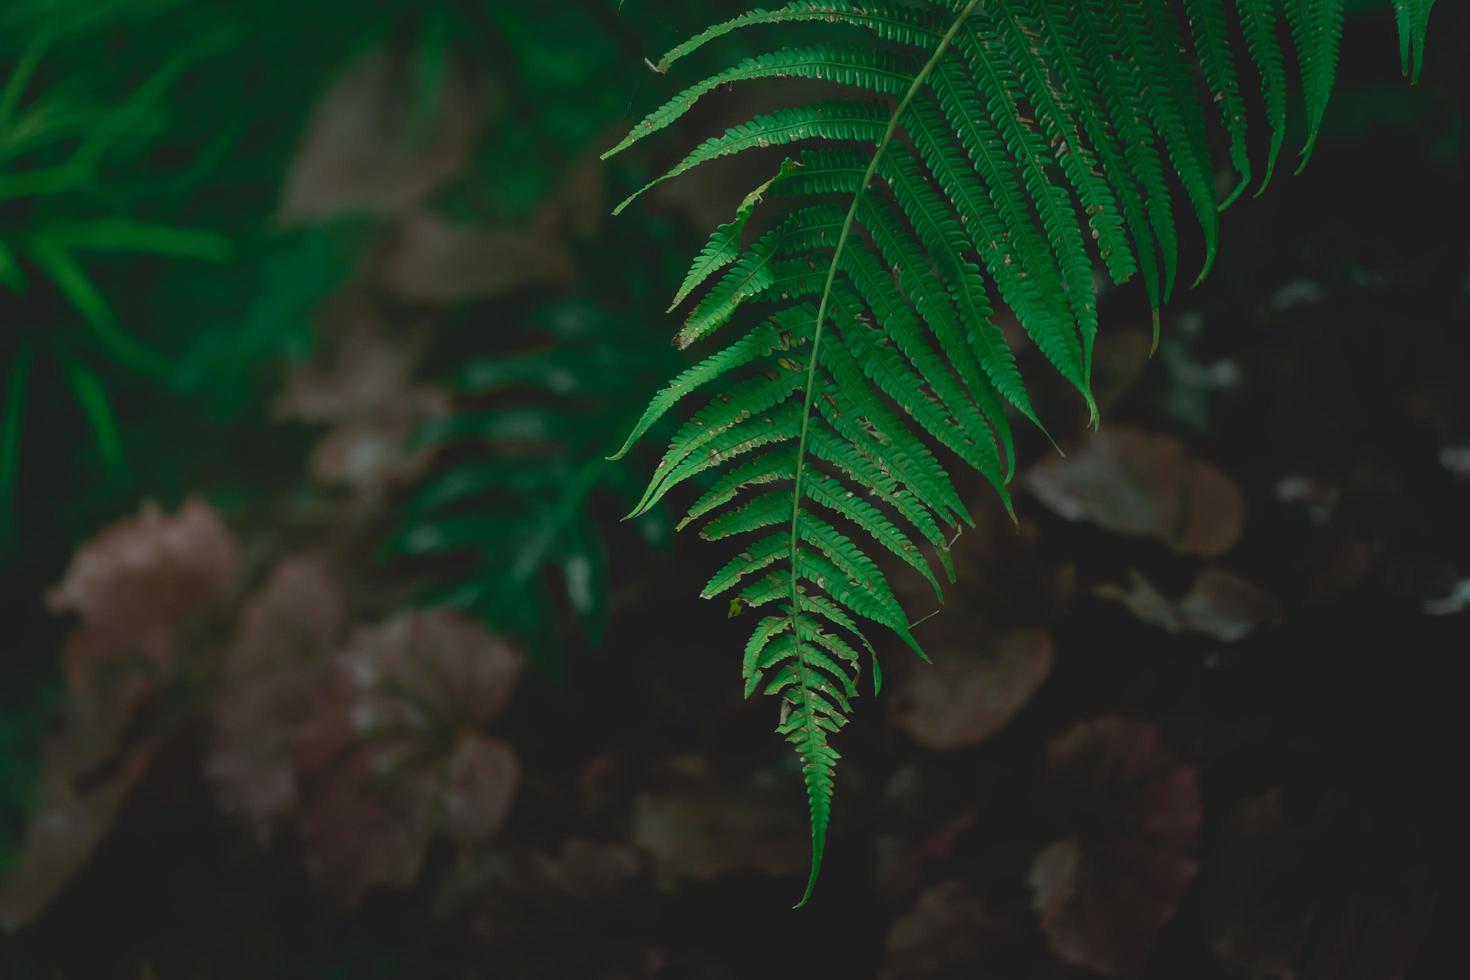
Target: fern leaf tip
[1234,195]
[811,880]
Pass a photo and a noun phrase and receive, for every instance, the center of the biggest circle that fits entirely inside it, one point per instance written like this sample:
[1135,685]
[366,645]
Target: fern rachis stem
[803,685]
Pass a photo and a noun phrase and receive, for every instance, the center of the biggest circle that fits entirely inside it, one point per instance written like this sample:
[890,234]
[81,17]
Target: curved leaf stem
[814,737]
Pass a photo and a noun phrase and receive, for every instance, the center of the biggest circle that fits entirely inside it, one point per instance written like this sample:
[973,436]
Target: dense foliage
[330,650]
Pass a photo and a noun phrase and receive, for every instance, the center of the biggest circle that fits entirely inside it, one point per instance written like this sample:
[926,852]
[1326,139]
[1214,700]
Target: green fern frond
[969,156]
[1316,29]
[890,22]
[1258,20]
[506,517]
[858,69]
[853,122]
[1212,46]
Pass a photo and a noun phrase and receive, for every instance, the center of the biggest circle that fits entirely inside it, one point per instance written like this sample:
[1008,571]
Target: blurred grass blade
[92,397]
[112,235]
[20,76]
[12,426]
[11,274]
[63,270]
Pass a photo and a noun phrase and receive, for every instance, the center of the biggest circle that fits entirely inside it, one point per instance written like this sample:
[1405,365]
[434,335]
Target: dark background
[1195,717]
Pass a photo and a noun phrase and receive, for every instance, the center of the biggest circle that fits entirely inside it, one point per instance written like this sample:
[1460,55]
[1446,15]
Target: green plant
[1007,135]
[57,150]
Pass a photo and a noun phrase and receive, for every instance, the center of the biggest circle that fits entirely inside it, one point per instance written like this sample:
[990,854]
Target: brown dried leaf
[970,694]
[359,364]
[1144,484]
[1131,813]
[375,451]
[88,774]
[1220,605]
[134,585]
[297,615]
[361,151]
[483,775]
[360,381]
[437,262]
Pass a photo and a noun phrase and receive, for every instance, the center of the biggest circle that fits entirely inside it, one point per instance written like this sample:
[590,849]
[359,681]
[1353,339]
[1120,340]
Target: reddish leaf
[296,615]
[133,586]
[360,831]
[1144,485]
[286,632]
[968,695]
[250,763]
[391,756]
[1131,812]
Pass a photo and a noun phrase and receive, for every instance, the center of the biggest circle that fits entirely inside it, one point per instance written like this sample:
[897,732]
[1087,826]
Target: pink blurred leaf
[134,585]
[135,588]
[359,833]
[1143,484]
[286,632]
[1130,811]
[973,692]
[391,755]
[295,616]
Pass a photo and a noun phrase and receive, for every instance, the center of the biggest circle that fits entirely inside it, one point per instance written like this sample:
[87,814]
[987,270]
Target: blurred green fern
[511,505]
[512,515]
[975,152]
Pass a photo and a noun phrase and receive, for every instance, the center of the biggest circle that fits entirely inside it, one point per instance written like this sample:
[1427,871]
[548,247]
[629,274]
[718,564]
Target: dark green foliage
[512,497]
[984,150]
[509,518]
[143,146]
